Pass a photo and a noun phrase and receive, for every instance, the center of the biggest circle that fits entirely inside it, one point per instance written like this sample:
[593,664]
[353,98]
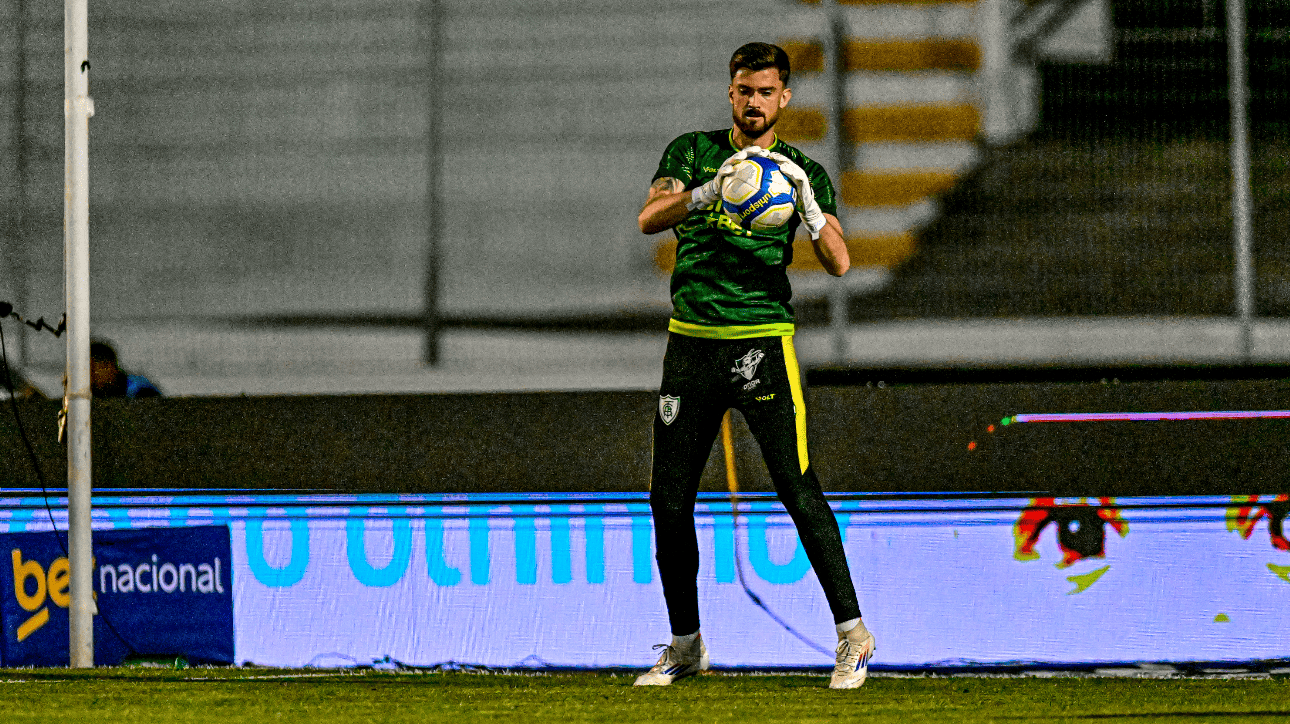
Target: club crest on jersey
[747,365]
[668,407]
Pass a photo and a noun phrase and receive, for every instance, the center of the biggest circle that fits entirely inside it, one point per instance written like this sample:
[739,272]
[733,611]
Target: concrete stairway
[1052,228]
[909,120]
[1118,204]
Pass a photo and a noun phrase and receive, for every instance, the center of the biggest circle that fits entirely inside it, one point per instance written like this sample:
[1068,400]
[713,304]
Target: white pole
[432,34]
[835,45]
[19,262]
[77,109]
[1238,95]
[992,29]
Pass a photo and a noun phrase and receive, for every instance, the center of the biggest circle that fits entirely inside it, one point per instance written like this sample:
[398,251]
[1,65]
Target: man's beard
[749,126]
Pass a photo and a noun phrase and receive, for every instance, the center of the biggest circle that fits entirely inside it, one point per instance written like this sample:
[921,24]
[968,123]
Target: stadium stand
[258,172]
[1119,203]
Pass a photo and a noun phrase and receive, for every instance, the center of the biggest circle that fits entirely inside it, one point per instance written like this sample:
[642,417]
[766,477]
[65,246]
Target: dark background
[874,430]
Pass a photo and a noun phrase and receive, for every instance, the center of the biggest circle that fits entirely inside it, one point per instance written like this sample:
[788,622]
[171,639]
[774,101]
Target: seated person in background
[108,380]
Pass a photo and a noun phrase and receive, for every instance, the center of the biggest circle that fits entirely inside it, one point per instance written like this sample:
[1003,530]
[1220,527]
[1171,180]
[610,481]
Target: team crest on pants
[747,365]
[668,407]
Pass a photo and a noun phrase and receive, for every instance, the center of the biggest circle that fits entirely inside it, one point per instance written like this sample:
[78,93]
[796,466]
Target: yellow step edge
[891,2]
[876,124]
[902,55]
[804,56]
[807,55]
[797,125]
[886,250]
[895,187]
[888,2]
[913,122]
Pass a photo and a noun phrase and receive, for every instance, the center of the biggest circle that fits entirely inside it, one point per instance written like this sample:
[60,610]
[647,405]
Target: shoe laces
[669,654]
[848,655]
[845,661]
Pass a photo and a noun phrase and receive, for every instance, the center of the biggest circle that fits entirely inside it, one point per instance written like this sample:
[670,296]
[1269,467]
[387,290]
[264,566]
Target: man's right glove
[710,192]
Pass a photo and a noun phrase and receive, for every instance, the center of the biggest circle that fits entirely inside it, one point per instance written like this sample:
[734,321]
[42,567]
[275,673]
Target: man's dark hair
[759,56]
[101,350]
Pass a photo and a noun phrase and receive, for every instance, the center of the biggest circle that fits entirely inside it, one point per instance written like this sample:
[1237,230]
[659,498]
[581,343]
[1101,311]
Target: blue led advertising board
[569,580]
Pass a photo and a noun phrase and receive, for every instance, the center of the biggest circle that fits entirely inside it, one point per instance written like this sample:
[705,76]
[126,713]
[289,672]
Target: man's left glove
[812,216]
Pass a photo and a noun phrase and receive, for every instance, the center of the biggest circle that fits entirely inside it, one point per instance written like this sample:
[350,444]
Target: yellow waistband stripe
[799,401]
[744,331]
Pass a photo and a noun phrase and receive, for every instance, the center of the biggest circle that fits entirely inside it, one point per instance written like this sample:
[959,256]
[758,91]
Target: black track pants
[702,378]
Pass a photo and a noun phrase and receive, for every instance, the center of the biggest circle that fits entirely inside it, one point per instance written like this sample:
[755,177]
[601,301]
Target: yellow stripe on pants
[799,400]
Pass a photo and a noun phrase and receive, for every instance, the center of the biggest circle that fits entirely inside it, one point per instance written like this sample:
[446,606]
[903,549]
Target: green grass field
[261,696]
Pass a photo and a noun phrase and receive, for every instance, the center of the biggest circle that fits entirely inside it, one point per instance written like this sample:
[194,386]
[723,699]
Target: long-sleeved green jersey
[729,282]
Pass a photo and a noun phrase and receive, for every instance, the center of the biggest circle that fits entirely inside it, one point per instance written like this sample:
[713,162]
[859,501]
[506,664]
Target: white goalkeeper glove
[710,192]
[812,216]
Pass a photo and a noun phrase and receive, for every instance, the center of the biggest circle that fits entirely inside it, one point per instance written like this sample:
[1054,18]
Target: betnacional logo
[37,586]
[161,577]
[156,591]
[1244,517]
[1081,535]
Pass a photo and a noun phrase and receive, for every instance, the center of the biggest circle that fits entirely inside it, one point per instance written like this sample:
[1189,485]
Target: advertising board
[569,580]
[158,592]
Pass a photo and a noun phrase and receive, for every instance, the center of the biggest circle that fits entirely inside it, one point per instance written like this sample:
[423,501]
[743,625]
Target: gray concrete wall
[270,159]
[255,159]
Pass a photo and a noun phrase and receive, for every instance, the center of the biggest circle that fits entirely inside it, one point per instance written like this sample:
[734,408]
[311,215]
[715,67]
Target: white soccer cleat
[676,663]
[855,647]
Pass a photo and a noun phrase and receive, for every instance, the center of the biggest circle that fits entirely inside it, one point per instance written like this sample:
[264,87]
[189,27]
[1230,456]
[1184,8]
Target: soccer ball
[758,196]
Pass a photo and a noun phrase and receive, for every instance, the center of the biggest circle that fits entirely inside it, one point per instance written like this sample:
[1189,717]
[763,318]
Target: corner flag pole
[77,109]
[1238,97]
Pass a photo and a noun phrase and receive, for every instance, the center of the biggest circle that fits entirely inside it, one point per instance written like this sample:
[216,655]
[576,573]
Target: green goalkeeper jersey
[730,282]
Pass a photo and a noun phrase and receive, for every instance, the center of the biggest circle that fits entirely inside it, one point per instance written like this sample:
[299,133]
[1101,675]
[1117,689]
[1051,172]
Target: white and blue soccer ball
[758,196]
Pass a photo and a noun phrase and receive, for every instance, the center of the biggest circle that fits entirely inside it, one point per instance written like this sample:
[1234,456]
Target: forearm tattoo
[666,185]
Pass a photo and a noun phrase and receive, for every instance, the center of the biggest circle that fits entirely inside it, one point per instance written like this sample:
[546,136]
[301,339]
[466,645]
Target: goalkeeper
[731,345]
